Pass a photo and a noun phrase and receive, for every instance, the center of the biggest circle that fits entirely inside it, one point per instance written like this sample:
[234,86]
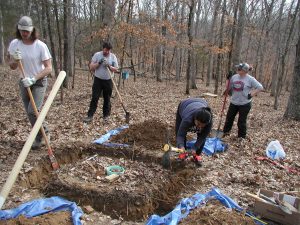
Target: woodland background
[183,39]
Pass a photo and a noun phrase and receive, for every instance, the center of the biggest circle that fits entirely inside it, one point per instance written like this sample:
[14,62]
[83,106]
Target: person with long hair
[36,60]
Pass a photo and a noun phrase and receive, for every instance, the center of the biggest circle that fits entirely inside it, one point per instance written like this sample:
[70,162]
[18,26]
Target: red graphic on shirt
[238,85]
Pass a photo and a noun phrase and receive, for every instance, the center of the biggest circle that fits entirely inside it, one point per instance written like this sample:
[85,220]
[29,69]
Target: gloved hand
[249,96]
[17,55]
[103,61]
[229,75]
[28,81]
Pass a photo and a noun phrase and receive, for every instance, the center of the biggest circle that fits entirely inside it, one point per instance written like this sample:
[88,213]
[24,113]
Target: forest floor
[145,188]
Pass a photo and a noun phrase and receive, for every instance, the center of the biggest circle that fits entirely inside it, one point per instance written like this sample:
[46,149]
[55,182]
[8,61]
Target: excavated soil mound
[151,134]
[215,213]
[53,218]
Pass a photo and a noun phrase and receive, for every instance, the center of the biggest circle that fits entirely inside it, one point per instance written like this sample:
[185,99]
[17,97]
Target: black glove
[249,96]
[229,75]
[103,61]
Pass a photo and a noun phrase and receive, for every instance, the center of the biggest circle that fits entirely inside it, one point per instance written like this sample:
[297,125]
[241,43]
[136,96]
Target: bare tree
[293,108]
[1,38]
[236,55]
[190,37]
[158,55]
[284,55]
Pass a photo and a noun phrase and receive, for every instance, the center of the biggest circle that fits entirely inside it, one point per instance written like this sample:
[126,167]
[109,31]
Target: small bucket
[125,75]
[114,170]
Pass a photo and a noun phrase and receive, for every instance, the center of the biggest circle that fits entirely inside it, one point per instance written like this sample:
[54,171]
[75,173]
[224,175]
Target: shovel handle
[256,197]
[53,160]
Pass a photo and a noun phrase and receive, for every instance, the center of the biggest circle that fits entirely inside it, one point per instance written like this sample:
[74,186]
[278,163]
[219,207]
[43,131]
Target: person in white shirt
[102,62]
[243,87]
[36,60]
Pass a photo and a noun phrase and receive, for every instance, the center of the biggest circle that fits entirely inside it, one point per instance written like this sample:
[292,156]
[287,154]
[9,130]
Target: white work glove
[28,81]
[17,55]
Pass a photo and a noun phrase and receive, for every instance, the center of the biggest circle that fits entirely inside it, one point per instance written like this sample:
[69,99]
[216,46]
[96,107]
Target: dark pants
[99,86]
[243,111]
[177,125]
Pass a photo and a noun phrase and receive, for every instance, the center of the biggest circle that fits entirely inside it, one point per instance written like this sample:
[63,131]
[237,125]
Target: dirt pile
[215,213]
[47,219]
[151,134]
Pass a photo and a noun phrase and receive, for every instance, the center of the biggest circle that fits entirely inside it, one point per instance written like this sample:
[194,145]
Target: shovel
[218,133]
[127,114]
[53,160]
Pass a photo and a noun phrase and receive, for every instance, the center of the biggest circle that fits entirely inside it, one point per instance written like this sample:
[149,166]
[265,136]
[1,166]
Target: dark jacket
[187,110]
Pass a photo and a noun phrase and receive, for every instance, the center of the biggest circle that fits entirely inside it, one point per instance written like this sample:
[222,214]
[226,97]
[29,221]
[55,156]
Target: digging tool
[218,133]
[289,169]
[53,160]
[168,147]
[166,162]
[26,148]
[127,114]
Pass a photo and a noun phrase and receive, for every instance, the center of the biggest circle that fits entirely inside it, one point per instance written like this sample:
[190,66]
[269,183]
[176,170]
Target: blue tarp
[212,145]
[103,140]
[184,207]
[41,206]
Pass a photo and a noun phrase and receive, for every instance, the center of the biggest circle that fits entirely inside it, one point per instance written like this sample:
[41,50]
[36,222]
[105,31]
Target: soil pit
[53,218]
[144,188]
[215,213]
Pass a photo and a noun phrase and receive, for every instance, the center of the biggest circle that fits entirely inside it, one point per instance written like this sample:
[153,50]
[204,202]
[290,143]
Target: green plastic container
[114,170]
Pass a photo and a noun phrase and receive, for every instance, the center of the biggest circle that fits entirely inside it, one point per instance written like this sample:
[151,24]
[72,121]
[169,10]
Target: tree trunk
[233,37]
[2,59]
[60,57]
[293,108]
[190,37]
[236,55]
[52,46]
[158,54]
[284,54]
[278,51]
[212,43]
[221,44]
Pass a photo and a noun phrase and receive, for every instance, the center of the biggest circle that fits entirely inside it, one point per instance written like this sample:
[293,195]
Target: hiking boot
[88,119]
[36,144]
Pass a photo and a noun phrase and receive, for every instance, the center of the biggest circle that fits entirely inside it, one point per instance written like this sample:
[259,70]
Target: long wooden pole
[26,148]
[53,160]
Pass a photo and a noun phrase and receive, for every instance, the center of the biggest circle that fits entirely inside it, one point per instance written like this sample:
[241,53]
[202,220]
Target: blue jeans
[38,91]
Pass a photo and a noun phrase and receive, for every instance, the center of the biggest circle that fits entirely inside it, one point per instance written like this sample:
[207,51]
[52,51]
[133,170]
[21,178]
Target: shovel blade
[166,160]
[217,133]
[127,117]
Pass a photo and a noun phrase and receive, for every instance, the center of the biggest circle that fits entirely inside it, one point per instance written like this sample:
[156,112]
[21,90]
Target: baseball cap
[25,23]
[244,66]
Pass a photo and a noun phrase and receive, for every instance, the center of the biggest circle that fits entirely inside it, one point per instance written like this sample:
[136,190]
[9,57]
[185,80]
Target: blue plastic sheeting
[41,206]
[104,138]
[184,207]
[211,146]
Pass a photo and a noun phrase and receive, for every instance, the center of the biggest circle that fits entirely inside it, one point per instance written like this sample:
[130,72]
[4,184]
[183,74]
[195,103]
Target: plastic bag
[275,150]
